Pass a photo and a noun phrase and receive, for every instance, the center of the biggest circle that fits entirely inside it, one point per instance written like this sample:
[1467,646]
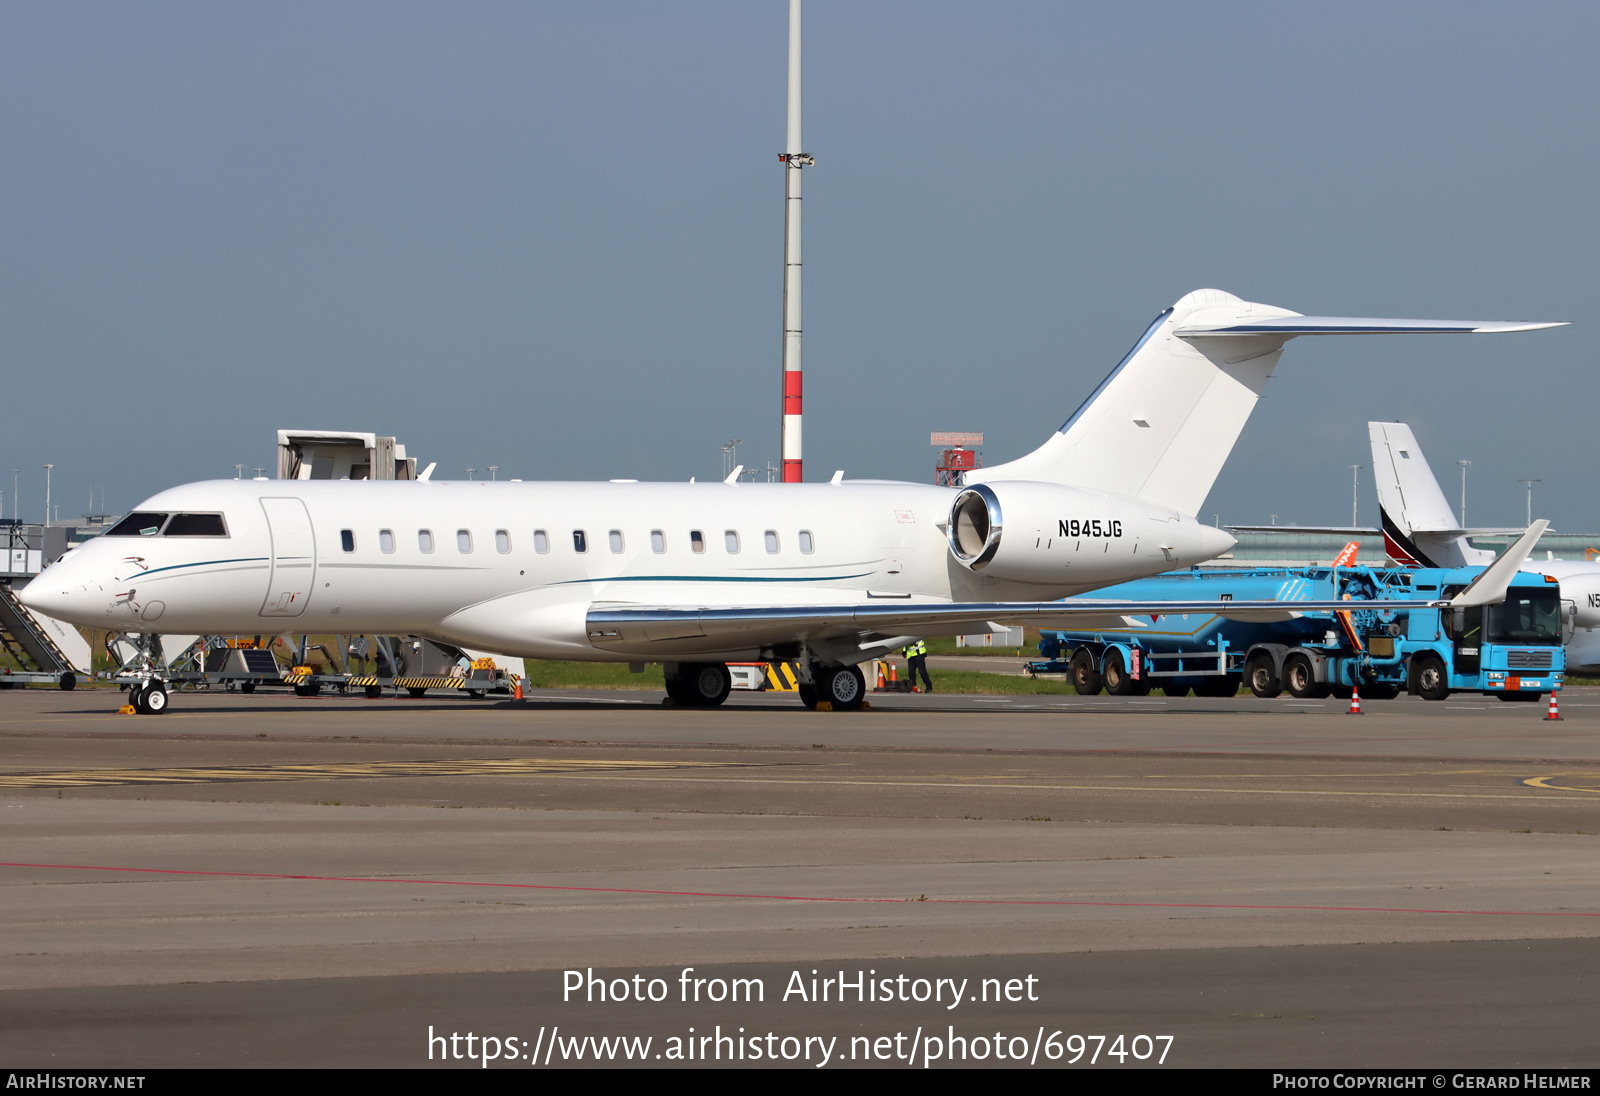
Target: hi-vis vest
[920,647]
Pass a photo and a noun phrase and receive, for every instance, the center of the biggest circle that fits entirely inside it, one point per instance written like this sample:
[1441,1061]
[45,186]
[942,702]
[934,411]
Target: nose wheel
[149,697]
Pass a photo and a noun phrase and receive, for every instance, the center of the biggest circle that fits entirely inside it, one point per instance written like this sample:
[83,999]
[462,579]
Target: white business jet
[1420,530]
[696,575]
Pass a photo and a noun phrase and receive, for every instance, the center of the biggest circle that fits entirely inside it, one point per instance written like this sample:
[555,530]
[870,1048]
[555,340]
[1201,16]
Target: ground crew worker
[917,662]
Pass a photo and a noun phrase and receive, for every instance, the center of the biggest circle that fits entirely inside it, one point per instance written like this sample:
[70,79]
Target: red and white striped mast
[794,158]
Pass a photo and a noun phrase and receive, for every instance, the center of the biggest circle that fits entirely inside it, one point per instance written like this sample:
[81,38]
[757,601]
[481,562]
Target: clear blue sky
[548,236]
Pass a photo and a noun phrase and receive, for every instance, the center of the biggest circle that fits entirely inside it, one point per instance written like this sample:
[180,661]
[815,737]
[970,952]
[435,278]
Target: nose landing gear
[148,697]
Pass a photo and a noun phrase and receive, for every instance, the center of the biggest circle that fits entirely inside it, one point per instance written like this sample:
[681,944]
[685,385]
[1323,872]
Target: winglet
[427,473]
[1490,586]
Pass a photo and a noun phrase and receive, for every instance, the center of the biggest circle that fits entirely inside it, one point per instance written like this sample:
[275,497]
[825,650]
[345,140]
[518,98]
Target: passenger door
[294,558]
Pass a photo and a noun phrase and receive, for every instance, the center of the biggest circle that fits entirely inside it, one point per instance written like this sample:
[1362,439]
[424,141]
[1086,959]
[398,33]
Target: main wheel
[1301,679]
[845,688]
[808,694]
[710,684]
[1084,673]
[700,684]
[1429,679]
[1262,677]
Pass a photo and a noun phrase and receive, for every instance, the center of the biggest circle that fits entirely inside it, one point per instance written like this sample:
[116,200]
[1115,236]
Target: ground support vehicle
[1510,649]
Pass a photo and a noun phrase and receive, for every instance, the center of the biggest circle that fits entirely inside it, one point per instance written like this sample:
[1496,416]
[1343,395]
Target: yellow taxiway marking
[1544,782]
[1077,787]
[513,766]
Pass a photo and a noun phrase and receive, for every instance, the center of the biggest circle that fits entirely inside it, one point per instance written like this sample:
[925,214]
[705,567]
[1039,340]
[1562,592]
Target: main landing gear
[699,684]
[843,688]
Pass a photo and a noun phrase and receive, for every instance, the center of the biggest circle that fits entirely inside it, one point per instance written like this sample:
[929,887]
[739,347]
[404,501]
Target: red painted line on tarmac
[804,897]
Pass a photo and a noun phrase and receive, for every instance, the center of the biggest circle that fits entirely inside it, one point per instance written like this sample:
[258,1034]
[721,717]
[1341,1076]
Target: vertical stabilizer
[1160,426]
[1419,528]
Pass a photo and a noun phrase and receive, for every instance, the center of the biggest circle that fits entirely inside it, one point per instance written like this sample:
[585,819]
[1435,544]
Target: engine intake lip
[975,526]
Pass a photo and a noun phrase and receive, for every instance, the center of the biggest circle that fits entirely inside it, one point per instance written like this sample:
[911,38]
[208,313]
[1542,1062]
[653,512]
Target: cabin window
[347,540]
[697,541]
[386,541]
[502,541]
[771,537]
[806,546]
[138,524]
[541,542]
[616,540]
[425,541]
[195,525]
[463,541]
[730,541]
[658,541]
[580,541]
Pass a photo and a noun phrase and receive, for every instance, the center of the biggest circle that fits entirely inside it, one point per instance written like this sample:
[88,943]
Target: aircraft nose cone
[43,594]
[57,591]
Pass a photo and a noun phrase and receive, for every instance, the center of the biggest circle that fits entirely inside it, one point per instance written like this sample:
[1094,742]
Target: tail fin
[1419,529]
[1160,426]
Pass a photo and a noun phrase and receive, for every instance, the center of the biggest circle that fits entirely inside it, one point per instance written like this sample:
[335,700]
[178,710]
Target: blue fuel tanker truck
[1510,649]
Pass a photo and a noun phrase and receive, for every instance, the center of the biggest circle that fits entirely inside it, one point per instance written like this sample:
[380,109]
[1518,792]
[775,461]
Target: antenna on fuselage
[793,159]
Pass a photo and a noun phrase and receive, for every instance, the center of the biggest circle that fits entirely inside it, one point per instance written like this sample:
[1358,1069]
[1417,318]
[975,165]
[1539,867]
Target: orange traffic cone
[879,686]
[1355,700]
[1554,712]
[516,688]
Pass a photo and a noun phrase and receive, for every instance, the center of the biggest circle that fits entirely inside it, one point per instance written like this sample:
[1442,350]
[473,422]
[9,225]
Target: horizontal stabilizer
[1293,326]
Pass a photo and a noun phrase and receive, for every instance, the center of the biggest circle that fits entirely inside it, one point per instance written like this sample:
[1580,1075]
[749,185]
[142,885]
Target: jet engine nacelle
[1042,533]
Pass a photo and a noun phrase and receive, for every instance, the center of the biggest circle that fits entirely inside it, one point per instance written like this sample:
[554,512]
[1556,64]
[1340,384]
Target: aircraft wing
[636,627]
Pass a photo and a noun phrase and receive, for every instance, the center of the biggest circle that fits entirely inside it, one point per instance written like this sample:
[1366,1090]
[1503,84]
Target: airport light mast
[794,158]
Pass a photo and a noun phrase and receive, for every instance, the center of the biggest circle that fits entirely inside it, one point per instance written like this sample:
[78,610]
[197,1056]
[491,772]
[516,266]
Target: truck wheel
[1177,688]
[1301,679]
[1084,674]
[1262,677]
[1118,683]
[1428,678]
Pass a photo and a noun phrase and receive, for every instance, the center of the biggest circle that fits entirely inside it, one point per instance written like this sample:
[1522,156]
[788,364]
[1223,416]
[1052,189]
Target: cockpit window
[138,524]
[196,525]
